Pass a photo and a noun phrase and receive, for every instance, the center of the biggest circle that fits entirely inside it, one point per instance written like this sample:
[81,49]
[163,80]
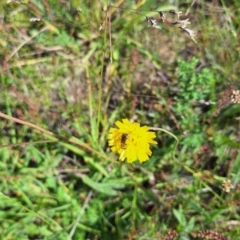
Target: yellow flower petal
[131,141]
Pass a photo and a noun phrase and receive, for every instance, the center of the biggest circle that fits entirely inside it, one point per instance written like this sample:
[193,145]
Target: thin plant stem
[53,136]
[177,142]
[80,214]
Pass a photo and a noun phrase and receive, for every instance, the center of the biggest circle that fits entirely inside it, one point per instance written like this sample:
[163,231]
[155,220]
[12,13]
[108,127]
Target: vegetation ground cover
[70,70]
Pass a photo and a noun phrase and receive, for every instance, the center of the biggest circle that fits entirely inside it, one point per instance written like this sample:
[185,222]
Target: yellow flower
[131,141]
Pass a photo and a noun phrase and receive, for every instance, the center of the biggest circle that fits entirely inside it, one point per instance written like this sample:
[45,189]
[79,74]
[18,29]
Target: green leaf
[180,217]
[105,188]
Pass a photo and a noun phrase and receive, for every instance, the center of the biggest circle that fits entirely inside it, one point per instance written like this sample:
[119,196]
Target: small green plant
[195,92]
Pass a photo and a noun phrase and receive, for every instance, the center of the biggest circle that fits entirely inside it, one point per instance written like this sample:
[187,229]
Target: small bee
[124,138]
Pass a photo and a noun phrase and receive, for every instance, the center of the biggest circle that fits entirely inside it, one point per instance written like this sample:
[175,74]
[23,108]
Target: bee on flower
[123,140]
[131,141]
